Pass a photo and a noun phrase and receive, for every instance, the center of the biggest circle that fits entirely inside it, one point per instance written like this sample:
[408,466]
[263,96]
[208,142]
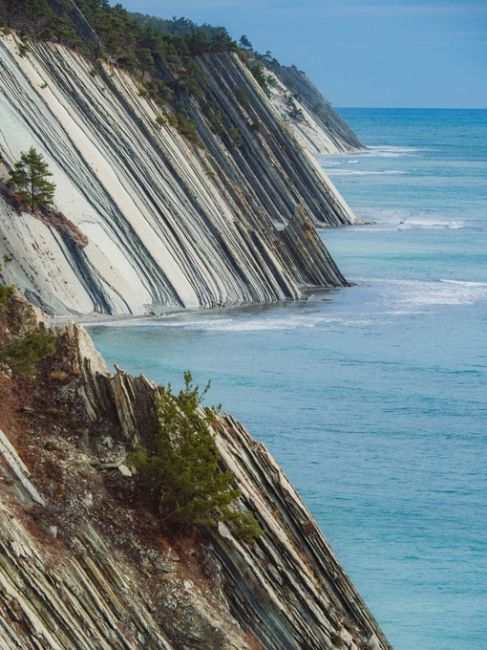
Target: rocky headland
[85,564]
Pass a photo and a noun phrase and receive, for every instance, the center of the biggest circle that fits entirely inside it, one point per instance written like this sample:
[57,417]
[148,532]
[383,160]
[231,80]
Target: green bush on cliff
[184,125]
[180,469]
[23,49]
[23,355]
[5,294]
[160,91]
[236,136]
[214,117]
[260,76]
[247,528]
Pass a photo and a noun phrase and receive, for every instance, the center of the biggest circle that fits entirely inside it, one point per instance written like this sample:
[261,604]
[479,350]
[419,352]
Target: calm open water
[374,398]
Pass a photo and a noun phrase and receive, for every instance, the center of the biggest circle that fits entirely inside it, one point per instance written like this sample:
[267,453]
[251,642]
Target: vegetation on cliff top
[133,41]
[180,468]
[5,294]
[23,352]
[162,53]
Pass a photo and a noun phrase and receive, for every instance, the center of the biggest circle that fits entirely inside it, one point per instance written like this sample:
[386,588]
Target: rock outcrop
[318,125]
[83,565]
[169,224]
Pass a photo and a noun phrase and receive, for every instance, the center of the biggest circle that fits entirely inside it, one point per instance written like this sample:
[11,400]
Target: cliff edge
[85,565]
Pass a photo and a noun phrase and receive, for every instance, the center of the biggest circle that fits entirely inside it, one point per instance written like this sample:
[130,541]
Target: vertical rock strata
[82,566]
[169,224]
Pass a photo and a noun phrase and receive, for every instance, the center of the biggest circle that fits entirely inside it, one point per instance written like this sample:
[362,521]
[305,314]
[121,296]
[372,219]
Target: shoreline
[94,319]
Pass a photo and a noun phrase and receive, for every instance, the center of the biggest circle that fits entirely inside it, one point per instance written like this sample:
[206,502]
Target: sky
[371,53]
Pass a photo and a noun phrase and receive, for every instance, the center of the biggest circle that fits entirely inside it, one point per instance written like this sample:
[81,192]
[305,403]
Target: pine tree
[146,60]
[30,177]
[245,43]
[181,467]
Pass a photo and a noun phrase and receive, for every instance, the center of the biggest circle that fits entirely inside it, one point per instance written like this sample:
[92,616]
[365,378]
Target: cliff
[84,565]
[318,125]
[225,217]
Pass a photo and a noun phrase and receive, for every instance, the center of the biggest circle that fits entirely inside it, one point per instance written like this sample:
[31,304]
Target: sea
[373,398]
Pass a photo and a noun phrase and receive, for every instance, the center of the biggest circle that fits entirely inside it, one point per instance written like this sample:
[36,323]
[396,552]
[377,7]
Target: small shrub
[242,96]
[160,91]
[296,114]
[194,86]
[181,470]
[236,136]
[259,75]
[215,118]
[5,294]
[24,355]
[23,49]
[184,125]
[256,126]
[271,81]
[247,528]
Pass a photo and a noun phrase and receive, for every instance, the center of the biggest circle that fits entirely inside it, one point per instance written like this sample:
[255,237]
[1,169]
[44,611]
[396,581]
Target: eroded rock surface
[84,565]
[163,222]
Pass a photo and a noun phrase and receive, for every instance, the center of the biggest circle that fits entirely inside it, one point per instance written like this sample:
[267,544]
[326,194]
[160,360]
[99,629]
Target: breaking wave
[354,172]
[423,293]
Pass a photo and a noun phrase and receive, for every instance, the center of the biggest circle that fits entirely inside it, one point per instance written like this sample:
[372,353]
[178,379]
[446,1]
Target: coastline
[380,386]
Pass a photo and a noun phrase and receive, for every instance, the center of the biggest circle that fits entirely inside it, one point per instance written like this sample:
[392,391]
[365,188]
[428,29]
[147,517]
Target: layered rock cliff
[317,124]
[84,565]
[169,223]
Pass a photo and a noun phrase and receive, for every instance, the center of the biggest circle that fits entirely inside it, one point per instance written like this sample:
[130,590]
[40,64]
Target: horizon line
[418,108]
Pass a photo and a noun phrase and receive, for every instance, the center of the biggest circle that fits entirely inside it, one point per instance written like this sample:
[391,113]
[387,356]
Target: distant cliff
[211,200]
[84,565]
[314,120]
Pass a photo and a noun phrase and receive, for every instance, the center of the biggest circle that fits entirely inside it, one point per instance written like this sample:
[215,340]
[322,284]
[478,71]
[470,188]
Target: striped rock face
[169,224]
[84,564]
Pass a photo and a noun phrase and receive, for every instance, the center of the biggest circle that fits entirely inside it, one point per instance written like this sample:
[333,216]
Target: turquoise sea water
[374,398]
